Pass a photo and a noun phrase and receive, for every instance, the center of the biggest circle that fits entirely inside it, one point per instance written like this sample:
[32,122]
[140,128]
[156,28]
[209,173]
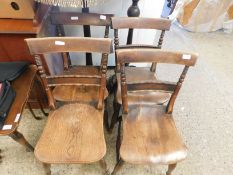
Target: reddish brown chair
[75,93]
[137,74]
[73,129]
[149,132]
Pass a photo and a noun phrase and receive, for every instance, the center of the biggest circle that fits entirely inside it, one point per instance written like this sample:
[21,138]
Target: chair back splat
[161,24]
[158,56]
[40,46]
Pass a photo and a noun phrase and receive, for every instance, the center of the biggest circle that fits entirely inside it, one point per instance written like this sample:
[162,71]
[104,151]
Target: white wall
[149,8]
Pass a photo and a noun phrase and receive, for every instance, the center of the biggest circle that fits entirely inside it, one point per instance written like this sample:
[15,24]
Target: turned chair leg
[118,167]
[171,167]
[18,137]
[103,165]
[47,168]
[115,116]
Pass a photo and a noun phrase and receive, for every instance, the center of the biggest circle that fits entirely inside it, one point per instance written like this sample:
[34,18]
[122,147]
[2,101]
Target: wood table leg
[18,137]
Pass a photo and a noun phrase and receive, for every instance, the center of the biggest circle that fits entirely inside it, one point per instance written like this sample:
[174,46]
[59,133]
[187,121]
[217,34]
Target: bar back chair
[72,129]
[149,132]
[137,74]
[72,92]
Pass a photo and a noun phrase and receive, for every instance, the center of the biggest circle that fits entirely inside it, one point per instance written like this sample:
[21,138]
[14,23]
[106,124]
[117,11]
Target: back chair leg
[118,167]
[118,142]
[32,112]
[103,165]
[0,156]
[18,137]
[171,167]
[47,168]
[115,116]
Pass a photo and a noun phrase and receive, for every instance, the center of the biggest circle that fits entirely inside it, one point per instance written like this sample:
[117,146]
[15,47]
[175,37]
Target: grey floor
[203,114]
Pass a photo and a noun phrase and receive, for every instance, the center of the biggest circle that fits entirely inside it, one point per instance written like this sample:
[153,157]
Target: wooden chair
[137,74]
[149,132]
[22,86]
[72,93]
[72,129]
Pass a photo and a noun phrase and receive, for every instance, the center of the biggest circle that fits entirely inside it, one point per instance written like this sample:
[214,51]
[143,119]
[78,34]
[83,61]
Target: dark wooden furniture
[137,74]
[59,19]
[22,86]
[73,129]
[76,93]
[149,132]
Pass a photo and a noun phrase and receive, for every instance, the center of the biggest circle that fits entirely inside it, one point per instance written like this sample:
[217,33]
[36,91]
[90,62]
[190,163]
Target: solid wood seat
[79,93]
[70,134]
[150,136]
[141,97]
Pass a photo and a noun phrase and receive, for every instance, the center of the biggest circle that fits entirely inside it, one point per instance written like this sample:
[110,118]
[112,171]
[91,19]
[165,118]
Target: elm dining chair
[149,132]
[72,92]
[137,74]
[74,128]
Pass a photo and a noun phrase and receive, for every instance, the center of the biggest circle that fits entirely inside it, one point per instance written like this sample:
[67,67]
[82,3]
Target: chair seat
[139,74]
[73,134]
[150,137]
[79,93]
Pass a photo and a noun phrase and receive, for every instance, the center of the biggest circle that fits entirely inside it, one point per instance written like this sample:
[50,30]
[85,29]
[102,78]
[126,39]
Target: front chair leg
[118,166]
[32,112]
[18,137]
[103,165]
[171,167]
[47,168]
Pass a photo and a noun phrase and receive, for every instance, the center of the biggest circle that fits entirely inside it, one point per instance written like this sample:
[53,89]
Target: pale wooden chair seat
[73,134]
[79,93]
[140,74]
[150,137]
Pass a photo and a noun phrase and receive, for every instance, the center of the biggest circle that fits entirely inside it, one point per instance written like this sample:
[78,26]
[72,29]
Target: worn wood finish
[140,23]
[70,134]
[150,137]
[159,56]
[76,18]
[22,86]
[145,96]
[77,93]
[77,44]
[68,44]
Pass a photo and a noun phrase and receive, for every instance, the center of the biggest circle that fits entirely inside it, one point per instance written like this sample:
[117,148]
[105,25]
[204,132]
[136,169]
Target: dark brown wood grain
[76,18]
[159,56]
[140,23]
[69,44]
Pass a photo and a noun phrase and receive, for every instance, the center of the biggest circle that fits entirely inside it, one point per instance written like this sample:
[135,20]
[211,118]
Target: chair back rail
[68,44]
[151,55]
[40,46]
[140,23]
[76,18]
